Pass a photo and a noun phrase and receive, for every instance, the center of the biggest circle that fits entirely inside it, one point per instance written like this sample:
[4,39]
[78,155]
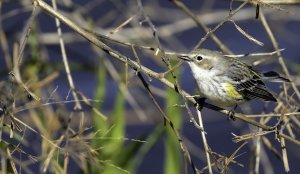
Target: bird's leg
[277,128]
[200,102]
[231,113]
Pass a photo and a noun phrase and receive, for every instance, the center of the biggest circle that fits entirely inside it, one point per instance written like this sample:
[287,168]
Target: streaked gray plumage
[228,81]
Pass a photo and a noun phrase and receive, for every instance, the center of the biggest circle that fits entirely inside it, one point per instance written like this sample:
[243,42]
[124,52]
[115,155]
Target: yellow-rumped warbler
[227,81]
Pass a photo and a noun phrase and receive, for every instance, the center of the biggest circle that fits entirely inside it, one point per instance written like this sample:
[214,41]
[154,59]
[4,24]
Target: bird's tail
[272,76]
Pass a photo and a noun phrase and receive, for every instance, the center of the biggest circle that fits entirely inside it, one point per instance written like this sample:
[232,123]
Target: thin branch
[25,35]
[284,155]
[255,54]
[166,59]
[200,24]
[166,118]
[248,36]
[78,105]
[65,60]
[276,47]
[134,65]
[274,115]
[210,32]
[206,148]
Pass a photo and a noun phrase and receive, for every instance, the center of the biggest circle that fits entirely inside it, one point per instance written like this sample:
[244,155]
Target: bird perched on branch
[227,81]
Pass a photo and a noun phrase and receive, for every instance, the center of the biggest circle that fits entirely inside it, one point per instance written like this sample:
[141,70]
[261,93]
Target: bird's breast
[200,73]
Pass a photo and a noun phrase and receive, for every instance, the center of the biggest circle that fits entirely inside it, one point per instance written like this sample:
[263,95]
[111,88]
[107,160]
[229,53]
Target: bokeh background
[134,138]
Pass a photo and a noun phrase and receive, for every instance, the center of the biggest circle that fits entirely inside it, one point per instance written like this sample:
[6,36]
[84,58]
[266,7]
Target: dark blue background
[218,128]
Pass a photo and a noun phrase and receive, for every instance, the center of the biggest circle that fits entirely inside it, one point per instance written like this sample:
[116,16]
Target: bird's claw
[199,102]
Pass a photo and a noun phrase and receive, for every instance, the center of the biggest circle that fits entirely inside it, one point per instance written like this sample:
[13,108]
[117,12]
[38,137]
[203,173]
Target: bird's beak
[184,57]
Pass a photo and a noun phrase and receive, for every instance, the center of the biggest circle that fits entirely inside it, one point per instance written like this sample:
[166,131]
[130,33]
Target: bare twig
[65,60]
[276,47]
[276,1]
[206,148]
[251,38]
[166,118]
[274,115]
[149,72]
[271,4]
[232,13]
[254,54]
[284,155]
[166,59]
[122,25]
[202,26]
[25,35]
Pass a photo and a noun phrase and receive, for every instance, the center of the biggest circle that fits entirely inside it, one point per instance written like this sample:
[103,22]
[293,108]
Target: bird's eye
[199,58]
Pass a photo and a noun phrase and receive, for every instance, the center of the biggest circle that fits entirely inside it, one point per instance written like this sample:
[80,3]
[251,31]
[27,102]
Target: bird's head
[203,58]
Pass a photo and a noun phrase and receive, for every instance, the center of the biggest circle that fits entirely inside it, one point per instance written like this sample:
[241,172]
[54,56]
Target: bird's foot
[199,102]
[231,114]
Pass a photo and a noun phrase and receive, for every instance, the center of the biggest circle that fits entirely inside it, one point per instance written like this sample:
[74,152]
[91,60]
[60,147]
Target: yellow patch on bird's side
[230,90]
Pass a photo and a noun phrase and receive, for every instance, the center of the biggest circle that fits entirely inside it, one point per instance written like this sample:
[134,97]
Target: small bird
[227,81]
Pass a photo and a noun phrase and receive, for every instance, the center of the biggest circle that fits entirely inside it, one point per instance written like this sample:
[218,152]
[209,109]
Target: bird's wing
[255,89]
[248,82]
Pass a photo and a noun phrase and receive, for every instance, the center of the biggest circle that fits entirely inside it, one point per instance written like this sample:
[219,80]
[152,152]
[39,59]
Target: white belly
[213,87]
